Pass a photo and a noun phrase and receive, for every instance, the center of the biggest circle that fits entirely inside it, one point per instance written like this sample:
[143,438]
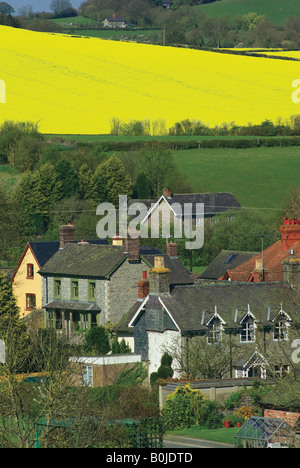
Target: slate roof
[44,250]
[214,203]
[88,260]
[192,307]
[218,267]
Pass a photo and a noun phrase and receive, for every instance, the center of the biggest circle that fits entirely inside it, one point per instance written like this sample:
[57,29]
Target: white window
[88,376]
[248,330]
[281,325]
[214,331]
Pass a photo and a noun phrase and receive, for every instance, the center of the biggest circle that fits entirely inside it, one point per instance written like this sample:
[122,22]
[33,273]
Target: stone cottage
[86,285]
[256,320]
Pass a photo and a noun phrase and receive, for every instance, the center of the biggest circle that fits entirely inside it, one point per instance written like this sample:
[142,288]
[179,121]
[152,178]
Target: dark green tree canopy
[6,9]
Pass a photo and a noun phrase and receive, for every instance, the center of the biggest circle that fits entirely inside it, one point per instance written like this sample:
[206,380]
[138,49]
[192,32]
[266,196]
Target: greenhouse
[259,432]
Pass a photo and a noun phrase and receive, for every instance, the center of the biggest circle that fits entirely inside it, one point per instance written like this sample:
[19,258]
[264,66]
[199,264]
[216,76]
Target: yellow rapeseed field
[77,85]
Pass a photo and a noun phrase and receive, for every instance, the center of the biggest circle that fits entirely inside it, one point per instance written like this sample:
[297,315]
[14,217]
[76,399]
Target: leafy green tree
[11,133]
[142,187]
[38,192]
[158,163]
[6,9]
[87,188]
[67,176]
[112,180]
[12,330]
[26,153]
[96,340]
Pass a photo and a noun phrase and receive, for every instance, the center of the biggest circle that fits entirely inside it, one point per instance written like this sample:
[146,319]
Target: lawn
[275,10]
[258,177]
[223,435]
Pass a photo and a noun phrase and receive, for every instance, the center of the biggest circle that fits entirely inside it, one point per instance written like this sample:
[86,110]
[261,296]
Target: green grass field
[116,34]
[216,435]
[275,10]
[79,20]
[258,177]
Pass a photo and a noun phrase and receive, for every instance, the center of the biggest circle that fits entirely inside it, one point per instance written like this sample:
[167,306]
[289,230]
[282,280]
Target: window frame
[214,331]
[245,330]
[30,304]
[30,271]
[74,297]
[90,297]
[57,295]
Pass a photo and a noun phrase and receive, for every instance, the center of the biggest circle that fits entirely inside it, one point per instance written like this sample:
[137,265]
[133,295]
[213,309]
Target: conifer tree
[113,179]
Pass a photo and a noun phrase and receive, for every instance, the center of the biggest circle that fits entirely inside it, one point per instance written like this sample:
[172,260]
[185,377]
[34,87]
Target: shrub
[96,341]
[182,408]
[245,412]
[164,371]
[209,416]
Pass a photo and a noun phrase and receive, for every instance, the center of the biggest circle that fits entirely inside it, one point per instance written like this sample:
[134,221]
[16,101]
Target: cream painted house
[26,281]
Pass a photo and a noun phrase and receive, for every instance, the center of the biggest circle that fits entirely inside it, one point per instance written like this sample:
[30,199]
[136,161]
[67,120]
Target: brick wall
[289,416]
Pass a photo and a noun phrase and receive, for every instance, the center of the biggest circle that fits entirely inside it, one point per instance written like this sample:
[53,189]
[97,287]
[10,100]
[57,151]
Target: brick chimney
[172,249]
[132,245]
[167,193]
[290,232]
[143,287]
[66,235]
[159,277]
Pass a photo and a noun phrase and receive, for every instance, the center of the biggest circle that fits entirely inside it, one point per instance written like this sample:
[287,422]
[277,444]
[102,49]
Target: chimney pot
[290,232]
[117,240]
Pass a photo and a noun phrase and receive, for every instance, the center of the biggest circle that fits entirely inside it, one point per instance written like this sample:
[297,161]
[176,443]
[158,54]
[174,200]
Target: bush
[245,412]
[209,416]
[164,371]
[182,408]
[96,341]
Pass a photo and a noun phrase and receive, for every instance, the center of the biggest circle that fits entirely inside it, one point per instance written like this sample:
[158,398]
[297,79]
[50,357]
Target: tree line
[182,24]
[58,184]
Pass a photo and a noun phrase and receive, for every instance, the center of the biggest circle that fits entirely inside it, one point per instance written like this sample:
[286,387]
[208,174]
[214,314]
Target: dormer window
[280,329]
[214,331]
[215,327]
[281,324]
[248,330]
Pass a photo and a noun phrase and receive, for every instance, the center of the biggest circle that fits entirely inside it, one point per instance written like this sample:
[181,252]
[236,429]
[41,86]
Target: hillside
[276,10]
[77,85]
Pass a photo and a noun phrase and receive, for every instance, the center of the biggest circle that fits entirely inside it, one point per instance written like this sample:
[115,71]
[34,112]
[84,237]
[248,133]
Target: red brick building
[268,265]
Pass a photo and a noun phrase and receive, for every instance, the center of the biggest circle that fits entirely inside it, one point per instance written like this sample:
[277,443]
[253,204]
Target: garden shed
[260,432]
